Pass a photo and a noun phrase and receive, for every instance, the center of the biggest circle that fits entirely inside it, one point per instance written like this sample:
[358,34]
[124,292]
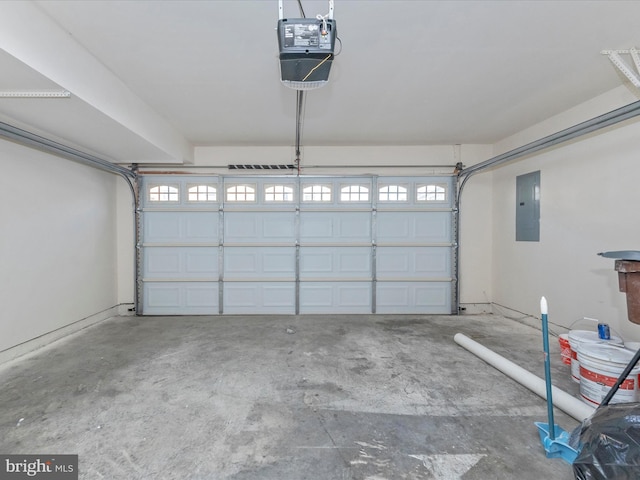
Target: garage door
[295,245]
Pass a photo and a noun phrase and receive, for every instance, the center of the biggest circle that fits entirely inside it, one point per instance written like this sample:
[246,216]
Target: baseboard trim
[475,308]
[526,319]
[42,341]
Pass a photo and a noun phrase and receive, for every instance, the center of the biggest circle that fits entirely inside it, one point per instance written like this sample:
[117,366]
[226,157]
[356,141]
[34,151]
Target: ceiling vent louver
[261,167]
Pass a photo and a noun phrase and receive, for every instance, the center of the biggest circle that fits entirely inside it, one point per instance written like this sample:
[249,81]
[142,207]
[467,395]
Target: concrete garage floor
[284,398]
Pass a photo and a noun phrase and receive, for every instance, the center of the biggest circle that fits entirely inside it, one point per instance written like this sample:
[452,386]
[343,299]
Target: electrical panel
[528,207]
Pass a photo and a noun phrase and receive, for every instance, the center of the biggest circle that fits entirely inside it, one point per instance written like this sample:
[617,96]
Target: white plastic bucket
[600,367]
[585,337]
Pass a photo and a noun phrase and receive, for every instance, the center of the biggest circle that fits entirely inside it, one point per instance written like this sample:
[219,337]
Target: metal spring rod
[44,144]
[592,125]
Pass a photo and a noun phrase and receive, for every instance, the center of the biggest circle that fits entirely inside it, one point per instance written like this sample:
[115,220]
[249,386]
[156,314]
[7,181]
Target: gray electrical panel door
[528,207]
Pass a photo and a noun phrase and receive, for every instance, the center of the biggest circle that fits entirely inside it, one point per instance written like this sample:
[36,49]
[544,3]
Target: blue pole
[547,367]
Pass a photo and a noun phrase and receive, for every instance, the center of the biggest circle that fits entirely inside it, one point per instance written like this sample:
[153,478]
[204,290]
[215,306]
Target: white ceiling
[149,80]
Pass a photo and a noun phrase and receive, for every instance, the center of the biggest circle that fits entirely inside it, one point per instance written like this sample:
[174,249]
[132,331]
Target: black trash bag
[608,444]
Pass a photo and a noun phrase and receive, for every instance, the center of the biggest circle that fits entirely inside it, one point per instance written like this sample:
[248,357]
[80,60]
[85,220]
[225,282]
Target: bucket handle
[597,321]
[584,318]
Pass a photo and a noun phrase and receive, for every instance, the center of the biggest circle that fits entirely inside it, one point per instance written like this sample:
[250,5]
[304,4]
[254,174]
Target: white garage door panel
[253,263]
[278,244]
[185,262]
[413,262]
[183,227]
[335,227]
[413,297]
[335,262]
[259,298]
[412,227]
[175,298]
[259,227]
[335,297]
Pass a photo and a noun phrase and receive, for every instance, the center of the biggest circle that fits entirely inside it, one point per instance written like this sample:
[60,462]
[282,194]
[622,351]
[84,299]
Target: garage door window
[392,193]
[316,193]
[164,193]
[278,193]
[202,193]
[432,193]
[241,193]
[354,193]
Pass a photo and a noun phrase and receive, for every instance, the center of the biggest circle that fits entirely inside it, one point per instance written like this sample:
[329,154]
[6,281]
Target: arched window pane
[241,193]
[164,193]
[202,193]
[392,193]
[316,193]
[354,193]
[278,193]
[432,193]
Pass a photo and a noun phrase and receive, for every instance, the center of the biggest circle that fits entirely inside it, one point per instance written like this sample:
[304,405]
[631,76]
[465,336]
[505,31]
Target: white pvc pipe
[561,399]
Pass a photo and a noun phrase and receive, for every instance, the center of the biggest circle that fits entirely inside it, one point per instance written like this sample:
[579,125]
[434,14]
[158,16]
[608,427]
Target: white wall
[125,245]
[58,243]
[334,159]
[589,204]
[476,234]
